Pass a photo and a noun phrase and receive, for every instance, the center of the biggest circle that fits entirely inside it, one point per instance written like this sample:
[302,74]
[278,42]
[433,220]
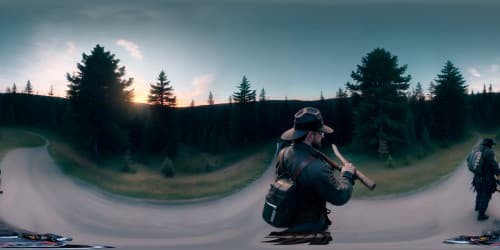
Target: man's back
[316,184]
[488,168]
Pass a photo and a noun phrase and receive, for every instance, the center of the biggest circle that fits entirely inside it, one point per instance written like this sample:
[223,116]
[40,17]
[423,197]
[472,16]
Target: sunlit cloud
[131,47]
[198,91]
[494,67]
[474,72]
[48,66]
[478,85]
[71,48]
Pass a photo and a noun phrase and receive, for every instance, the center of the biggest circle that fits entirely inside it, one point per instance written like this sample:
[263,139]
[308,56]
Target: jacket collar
[304,147]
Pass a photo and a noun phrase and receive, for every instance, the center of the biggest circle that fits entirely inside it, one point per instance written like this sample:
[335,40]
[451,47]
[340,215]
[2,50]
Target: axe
[369,183]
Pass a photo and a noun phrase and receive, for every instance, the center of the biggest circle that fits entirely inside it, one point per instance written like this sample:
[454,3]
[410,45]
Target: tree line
[376,113]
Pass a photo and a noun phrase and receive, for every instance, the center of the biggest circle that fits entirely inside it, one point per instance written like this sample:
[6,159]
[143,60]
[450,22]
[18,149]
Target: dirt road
[38,197]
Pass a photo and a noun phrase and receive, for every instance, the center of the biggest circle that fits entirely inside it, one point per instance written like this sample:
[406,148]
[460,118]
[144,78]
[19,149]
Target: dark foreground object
[286,238]
[10,239]
[489,239]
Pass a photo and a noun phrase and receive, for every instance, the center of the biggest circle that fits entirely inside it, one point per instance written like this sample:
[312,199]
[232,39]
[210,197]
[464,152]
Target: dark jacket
[316,184]
[484,178]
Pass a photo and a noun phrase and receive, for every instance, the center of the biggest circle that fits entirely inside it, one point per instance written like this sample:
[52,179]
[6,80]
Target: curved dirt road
[38,197]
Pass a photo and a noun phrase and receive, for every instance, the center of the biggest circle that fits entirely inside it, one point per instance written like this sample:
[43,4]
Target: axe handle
[369,183]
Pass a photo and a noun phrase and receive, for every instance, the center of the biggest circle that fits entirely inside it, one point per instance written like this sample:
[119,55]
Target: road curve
[39,197]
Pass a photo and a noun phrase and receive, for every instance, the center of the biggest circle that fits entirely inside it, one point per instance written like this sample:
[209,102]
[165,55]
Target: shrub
[389,162]
[167,168]
[127,169]
[209,167]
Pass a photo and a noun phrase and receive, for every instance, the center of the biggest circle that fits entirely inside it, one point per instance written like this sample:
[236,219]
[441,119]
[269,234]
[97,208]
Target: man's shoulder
[489,152]
[318,167]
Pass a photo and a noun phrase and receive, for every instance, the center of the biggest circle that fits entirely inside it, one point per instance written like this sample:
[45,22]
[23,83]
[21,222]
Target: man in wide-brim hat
[316,183]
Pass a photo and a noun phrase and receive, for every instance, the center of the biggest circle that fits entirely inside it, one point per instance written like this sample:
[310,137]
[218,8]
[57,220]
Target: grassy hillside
[11,138]
[412,172]
[233,172]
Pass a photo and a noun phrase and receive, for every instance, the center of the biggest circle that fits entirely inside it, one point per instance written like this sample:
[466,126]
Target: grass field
[11,138]
[147,182]
[412,173]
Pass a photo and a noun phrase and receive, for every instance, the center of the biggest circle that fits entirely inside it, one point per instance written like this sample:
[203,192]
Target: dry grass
[11,138]
[420,173]
[149,183]
[409,174]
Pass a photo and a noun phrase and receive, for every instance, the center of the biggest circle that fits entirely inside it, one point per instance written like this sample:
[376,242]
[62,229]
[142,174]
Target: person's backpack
[474,160]
[281,199]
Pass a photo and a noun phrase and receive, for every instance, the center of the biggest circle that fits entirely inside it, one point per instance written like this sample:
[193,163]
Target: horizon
[294,49]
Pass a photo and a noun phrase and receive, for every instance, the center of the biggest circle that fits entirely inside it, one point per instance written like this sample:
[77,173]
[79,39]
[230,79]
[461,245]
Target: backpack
[281,199]
[474,160]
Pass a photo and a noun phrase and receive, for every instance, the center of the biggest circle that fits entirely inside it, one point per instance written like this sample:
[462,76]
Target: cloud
[200,86]
[48,66]
[131,47]
[494,67]
[71,48]
[474,72]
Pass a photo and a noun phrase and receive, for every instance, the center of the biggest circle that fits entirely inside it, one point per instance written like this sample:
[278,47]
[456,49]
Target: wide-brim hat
[305,120]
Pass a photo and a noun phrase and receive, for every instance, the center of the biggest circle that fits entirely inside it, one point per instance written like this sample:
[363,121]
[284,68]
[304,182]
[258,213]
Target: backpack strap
[480,169]
[281,158]
[280,162]
[302,165]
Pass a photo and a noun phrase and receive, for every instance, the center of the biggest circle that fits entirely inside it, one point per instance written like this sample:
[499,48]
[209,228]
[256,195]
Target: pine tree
[100,99]
[192,103]
[8,91]
[343,116]
[28,89]
[14,88]
[161,93]
[490,89]
[449,103]
[244,93]
[51,91]
[484,88]
[418,115]
[380,115]
[341,93]
[321,97]
[419,93]
[262,95]
[210,98]
[432,88]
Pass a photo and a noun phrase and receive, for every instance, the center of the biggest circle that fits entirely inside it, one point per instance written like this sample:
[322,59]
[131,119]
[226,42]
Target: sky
[296,49]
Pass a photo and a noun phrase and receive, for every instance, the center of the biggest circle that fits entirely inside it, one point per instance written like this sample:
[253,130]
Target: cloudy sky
[293,48]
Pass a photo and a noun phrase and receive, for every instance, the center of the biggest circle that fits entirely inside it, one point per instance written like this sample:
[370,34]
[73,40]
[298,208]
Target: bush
[389,162]
[209,167]
[167,168]
[127,169]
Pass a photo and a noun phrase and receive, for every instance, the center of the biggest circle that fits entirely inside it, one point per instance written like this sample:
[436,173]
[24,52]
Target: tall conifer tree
[244,94]
[161,93]
[381,113]
[28,89]
[100,97]
[210,98]
[449,103]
